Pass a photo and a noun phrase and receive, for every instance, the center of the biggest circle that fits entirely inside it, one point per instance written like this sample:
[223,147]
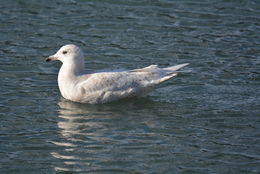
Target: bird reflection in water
[82,132]
[104,136]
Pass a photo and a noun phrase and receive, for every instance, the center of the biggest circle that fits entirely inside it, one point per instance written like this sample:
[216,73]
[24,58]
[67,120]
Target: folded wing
[108,86]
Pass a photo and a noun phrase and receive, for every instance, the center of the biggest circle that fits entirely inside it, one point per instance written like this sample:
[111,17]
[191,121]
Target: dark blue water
[203,121]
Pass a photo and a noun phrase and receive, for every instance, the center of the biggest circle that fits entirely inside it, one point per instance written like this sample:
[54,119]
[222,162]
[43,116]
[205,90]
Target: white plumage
[103,87]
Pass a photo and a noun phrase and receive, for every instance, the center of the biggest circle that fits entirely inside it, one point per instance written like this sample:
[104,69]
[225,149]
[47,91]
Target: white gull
[103,87]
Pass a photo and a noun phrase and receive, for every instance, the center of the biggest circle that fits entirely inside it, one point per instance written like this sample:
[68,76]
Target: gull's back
[110,86]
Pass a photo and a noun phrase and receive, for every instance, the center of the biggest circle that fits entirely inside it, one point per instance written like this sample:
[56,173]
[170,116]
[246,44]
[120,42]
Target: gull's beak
[51,58]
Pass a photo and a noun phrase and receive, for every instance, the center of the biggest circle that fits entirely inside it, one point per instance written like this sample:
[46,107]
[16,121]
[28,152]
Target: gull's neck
[69,72]
[72,69]
[67,78]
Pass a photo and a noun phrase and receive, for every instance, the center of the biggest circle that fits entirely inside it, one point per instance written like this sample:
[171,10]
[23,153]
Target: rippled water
[203,121]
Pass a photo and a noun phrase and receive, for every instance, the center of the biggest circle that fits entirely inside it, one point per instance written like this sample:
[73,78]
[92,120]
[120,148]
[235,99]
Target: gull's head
[68,54]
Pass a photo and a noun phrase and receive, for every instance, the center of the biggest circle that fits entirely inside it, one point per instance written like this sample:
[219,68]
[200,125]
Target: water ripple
[204,121]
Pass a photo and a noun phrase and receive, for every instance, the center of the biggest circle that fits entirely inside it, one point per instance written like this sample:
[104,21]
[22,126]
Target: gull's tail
[152,76]
[171,72]
[175,68]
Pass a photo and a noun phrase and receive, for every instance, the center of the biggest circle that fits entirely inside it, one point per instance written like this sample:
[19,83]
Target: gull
[104,87]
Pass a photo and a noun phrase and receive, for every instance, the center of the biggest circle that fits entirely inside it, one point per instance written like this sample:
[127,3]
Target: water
[203,121]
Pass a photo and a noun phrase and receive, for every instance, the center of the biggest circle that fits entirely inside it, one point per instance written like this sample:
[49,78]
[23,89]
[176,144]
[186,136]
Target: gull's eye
[64,52]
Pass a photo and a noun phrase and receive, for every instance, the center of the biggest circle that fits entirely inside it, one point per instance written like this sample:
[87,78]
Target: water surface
[203,121]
